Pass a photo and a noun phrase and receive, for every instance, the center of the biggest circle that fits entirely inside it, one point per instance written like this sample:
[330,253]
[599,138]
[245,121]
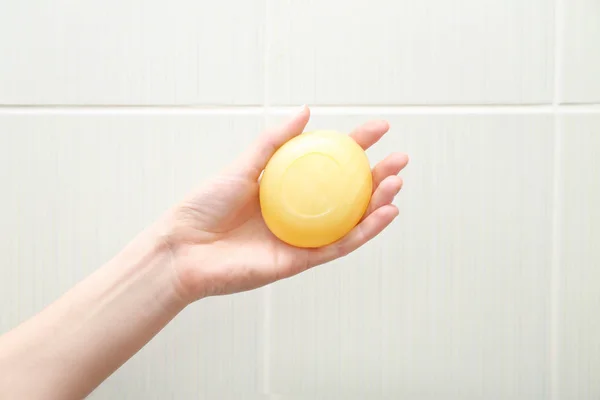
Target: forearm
[69,348]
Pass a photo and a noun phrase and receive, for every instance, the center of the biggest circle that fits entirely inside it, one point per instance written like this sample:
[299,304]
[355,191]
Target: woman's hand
[215,242]
[218,238]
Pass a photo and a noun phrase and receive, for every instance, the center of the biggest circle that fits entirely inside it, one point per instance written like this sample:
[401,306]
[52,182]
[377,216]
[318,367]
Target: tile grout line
[556,261]
[556,205]
[266,109]
[267,292]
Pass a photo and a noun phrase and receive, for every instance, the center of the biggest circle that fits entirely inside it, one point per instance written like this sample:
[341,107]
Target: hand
[220,243]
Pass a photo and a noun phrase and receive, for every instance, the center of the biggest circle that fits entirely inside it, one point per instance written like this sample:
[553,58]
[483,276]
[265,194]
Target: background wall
[488,285]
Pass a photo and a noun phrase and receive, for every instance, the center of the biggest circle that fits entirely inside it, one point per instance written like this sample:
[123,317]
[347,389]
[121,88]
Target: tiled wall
[488,285]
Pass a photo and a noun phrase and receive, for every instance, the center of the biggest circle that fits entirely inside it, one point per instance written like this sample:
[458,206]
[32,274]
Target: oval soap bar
[315,188]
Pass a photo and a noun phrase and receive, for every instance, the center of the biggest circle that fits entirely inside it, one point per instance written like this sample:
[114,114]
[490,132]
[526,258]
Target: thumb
[253,161]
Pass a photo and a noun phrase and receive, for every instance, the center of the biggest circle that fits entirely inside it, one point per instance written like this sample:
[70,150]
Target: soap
[315,188]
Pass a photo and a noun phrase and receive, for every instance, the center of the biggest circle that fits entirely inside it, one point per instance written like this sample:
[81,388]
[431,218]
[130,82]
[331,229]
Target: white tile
[410,52]
[581,51]
[579,277]
[131,52]
[451,302]
[75,189]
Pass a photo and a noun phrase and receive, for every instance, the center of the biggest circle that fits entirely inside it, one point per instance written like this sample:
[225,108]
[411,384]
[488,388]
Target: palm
[224,216]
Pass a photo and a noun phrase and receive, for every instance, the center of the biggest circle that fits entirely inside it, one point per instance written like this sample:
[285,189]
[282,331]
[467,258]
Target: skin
[214,242]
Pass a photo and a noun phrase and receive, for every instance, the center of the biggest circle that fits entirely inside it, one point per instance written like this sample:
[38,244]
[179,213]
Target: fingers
[370,227]
[385,193]
[254,160]
[386,183]
[368,134]
[391,165]
[378,216]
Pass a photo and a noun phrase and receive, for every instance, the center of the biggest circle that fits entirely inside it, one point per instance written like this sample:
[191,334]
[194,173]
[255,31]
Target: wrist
[149,264]
[189,252]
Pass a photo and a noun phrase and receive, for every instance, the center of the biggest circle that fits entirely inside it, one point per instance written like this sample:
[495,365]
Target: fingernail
[301,109]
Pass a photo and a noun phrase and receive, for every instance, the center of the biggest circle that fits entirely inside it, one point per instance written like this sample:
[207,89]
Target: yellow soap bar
[315,188]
